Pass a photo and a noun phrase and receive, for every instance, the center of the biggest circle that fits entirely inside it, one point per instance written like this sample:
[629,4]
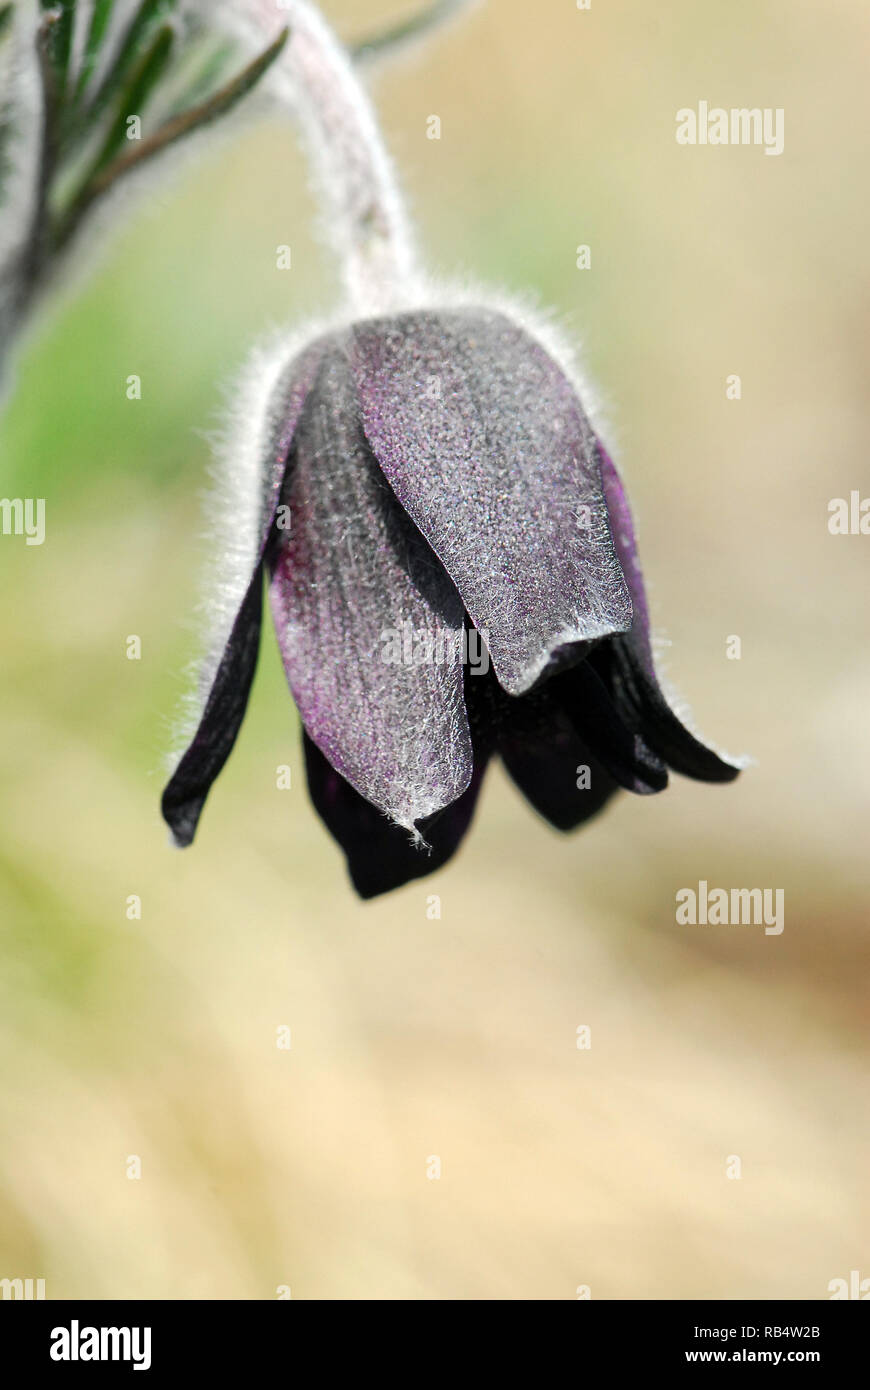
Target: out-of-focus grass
[456,1037]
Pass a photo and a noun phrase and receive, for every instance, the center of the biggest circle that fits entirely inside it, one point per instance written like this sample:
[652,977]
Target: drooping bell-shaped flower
[449,554]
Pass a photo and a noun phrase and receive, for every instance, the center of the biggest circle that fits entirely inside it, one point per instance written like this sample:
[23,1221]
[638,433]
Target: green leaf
[135,96]
[138,33]
[59,38]
[197,116]
[202,77]
[100,16]
[104,176]
[6,13]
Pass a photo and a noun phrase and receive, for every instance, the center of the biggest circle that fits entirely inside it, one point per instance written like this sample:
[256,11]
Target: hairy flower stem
[365,215]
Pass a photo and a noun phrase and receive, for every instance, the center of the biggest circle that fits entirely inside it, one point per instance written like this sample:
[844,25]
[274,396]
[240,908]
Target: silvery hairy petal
[486,445]
[226,681]
[350,578]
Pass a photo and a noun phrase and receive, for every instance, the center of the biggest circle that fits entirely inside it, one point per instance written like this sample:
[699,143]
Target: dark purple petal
[225,695]
[622,528]
[369,625]
[626,664]
[547,760]
[285,410]
[643,706]
[485,444]
[597,719]
[381,855]
[221,720]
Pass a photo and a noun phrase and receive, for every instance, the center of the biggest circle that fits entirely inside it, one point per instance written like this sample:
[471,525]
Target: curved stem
[365,214]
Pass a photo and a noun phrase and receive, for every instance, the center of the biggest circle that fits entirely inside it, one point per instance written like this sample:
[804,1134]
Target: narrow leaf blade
[135,96]
[137,35]
[100,16]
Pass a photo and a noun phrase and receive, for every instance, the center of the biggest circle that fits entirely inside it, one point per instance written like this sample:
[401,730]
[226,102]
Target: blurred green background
[410,1038]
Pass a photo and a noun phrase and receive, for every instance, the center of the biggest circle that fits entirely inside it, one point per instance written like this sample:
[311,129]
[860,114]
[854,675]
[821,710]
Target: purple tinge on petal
[626,666]
[381,855]
[226,690]
[486,445]
[285,409]
[622,529]
[369,625]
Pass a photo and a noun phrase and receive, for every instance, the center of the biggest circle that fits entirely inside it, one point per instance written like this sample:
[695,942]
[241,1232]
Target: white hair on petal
[544,325]
[232,507]
[541,323]
[240,446]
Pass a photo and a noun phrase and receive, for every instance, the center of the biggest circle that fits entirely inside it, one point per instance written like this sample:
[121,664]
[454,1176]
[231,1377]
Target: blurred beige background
[456,1038]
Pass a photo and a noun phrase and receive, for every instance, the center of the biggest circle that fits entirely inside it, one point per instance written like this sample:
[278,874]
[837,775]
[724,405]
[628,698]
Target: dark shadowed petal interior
[369,624]
[644,707]
[551,764]
[625,661]
[485,444]
[600,723]
[221,720]
[381,855]
[225,692]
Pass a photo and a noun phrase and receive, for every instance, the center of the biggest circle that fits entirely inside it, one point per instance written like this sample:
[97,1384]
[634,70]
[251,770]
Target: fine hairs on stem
[364,214]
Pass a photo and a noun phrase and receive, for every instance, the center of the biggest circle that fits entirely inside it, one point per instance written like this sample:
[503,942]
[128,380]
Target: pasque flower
[427,462]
